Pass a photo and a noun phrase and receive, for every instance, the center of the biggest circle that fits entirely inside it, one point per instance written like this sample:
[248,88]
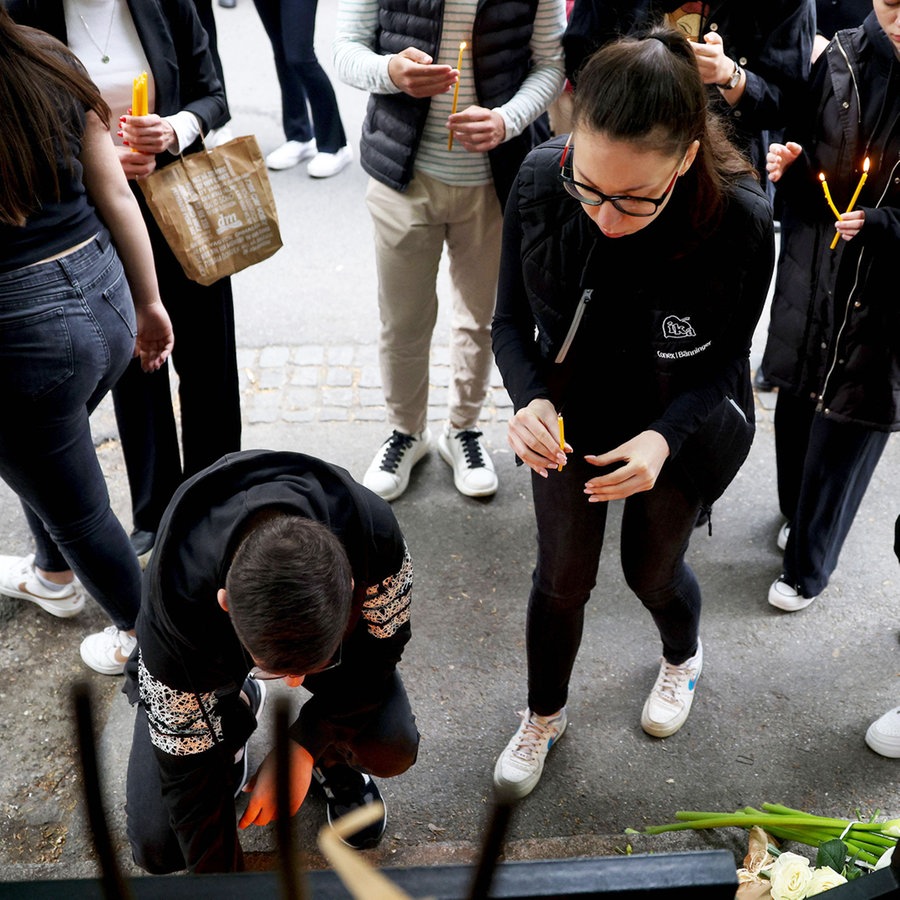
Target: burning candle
[854,198]
[462,47]
[830,202]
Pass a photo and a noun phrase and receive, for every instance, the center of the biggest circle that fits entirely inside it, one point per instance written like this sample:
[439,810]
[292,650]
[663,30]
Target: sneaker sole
[466,491]
[788,604]
[507,790]
[102,670]
[51,606]
[668,729]
[883,746]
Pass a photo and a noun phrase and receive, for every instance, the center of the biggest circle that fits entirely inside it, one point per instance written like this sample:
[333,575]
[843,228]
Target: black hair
[289,588]
[647,90]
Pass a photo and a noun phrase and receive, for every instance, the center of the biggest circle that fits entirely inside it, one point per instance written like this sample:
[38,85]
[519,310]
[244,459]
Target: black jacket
[771,40]
[177,50]
[191,664]
[665,338]
[834,333]
[501,57]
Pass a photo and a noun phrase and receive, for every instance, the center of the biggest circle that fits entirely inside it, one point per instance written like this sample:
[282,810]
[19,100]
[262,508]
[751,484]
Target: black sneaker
[346,789]
[255,692]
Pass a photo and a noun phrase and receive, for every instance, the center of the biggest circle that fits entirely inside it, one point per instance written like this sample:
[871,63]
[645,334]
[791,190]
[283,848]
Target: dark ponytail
[40,84]
[647,90]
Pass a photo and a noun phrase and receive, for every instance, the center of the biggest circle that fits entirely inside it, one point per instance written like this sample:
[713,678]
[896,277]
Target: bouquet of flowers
[845,848]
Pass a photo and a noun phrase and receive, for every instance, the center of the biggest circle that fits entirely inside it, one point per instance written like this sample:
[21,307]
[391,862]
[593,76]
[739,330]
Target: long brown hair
[647,90]
[40,81]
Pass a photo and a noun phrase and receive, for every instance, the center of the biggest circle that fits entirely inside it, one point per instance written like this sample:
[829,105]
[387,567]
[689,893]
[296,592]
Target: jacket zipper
[576,321]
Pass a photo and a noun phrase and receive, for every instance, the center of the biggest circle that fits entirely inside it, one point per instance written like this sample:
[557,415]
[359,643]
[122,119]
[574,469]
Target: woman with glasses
[637,252]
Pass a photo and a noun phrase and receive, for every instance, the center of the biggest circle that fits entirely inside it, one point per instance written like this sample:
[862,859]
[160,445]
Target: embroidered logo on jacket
[673,327]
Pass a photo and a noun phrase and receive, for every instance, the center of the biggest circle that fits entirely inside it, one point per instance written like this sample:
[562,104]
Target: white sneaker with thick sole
[883,735]
[107,651]
[388,474]
[669,703]
[18,579]
[473,469]
[290,154]
[324,165]
[519,767]
[785,597]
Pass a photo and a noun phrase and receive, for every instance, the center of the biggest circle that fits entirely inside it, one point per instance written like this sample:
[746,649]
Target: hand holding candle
[459,60]
[854,198]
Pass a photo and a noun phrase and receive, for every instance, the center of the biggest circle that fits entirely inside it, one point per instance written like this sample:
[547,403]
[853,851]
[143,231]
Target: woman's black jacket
[696,299]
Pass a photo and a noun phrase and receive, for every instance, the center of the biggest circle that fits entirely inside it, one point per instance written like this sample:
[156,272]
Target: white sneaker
[669,703]
[388,474]
[108,651]
[324,165]
[783,534]
[788,598]
[883,735]
[290,154]
[218,136]
[520,765]
[18,579]
[473,468]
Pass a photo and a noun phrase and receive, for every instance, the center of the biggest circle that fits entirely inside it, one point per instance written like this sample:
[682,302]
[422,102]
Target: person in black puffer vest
[457,100]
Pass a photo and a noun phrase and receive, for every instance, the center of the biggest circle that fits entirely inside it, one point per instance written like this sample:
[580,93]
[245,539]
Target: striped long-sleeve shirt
[359,65]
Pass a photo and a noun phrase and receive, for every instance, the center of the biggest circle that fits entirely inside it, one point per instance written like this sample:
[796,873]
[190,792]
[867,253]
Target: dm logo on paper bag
[673,327]
[228,223]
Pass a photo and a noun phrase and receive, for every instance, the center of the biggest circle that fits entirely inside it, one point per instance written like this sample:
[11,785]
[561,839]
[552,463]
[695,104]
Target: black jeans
[291,27]
[656,528]
[67,330]
[824,469]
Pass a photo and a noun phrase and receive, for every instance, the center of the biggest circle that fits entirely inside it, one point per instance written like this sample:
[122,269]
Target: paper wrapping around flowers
[216,209]
[751,885]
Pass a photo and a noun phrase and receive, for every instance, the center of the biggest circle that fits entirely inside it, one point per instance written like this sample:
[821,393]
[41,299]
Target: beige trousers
[410,232]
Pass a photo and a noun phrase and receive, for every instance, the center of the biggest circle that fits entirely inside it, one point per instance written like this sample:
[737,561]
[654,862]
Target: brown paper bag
[216,209]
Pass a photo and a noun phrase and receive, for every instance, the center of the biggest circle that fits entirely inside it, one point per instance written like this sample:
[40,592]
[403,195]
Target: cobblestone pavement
[338,383]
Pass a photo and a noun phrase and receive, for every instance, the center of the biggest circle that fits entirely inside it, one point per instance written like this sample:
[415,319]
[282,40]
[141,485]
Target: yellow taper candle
[139,105]
[834,209]
[562,438]
[462,47]
[854,198]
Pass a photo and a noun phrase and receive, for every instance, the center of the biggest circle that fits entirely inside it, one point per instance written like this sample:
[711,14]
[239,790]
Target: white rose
[790,875]
[824,878]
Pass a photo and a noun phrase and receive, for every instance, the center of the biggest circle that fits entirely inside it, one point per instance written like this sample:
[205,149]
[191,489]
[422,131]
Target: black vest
[501,57]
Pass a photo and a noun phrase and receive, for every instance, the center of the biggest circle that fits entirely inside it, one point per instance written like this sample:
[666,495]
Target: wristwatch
[732,82]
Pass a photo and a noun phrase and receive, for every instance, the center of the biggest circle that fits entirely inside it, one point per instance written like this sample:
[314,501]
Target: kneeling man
[267,565]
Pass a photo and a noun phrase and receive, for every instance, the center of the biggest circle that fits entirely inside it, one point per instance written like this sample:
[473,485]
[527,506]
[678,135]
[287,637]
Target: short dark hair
[289,588]
[646,89]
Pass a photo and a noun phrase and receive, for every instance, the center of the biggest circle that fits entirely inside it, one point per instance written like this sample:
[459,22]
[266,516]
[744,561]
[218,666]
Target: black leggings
[656,528]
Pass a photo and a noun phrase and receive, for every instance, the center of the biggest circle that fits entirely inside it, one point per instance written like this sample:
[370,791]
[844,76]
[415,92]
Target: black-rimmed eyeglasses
[624,203]
[259,674]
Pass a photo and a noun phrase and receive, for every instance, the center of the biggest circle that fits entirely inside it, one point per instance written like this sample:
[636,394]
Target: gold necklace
[104,56]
